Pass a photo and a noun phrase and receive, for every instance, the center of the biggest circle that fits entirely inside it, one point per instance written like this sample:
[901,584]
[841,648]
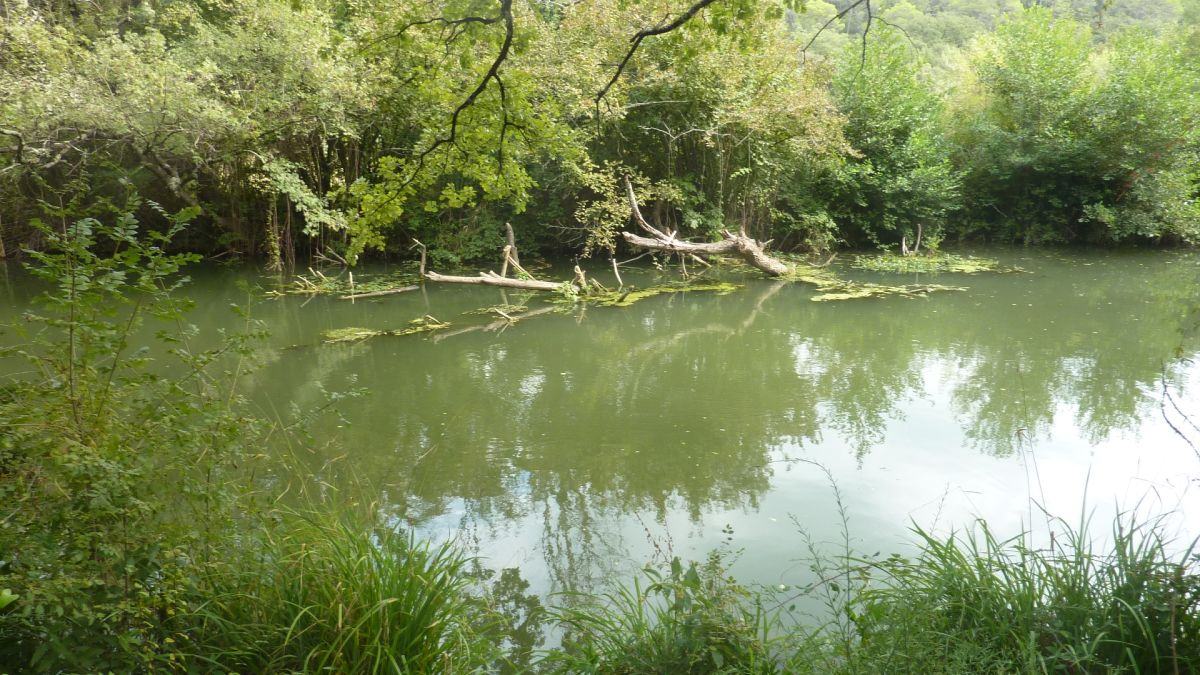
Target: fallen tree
[740,244]
[493,279]
[828,284]
[502,280]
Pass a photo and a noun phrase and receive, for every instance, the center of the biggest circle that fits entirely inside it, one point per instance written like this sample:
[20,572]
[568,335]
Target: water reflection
[544,440]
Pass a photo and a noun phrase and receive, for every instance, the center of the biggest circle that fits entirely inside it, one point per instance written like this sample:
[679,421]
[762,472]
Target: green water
[573,444]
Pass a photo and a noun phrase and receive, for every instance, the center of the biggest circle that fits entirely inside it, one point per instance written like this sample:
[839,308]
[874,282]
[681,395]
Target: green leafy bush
[115,459]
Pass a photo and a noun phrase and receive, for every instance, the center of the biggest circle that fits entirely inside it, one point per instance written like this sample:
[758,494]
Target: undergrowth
[132,539]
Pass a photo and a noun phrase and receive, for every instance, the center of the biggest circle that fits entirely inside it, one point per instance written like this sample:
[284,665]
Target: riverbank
[191,491]
[312,594]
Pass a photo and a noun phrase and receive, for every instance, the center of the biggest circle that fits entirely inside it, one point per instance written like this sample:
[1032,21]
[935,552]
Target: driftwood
[753,252]
[493,279]
[490,278]
[512,244]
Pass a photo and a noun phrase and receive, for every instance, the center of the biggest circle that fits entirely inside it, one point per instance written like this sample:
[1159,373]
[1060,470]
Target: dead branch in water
[740,244]
[493,279]
[490,278]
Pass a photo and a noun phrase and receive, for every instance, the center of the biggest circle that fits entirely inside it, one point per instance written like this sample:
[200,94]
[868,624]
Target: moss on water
[626,297]
[503,311]
[830,287]
[930,264]
[354,334]
[855,291]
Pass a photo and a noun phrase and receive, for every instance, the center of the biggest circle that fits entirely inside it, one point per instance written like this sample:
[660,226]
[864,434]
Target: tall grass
[689,621]
[336,596]
[973,602]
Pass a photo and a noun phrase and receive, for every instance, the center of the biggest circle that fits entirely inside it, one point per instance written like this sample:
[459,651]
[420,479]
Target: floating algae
[350,334]
[422,325]
[831,287]
[932,264]
[505,311]
[628,296]
[850,290]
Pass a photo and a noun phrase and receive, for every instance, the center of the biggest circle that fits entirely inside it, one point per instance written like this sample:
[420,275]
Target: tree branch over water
[636,41]
[492,74]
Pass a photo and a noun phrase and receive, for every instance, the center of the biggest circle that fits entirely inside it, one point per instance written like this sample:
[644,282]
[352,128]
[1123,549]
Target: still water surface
[559,444]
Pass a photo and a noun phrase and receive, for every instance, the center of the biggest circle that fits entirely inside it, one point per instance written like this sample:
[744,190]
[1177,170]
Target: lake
[578,444]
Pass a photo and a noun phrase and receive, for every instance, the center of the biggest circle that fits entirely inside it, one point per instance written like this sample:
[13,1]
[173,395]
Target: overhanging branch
[636,41]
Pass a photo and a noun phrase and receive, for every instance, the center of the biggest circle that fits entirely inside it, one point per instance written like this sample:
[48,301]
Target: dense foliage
[145,530]
[327,129]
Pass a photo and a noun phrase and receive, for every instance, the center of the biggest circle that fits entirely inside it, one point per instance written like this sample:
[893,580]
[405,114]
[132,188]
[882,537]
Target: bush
[114,464]
[899,180]
[1063,141]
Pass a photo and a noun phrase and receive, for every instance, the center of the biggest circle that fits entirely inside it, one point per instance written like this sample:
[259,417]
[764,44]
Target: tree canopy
[333,129]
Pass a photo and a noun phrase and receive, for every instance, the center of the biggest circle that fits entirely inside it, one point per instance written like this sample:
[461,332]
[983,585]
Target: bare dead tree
[740,244]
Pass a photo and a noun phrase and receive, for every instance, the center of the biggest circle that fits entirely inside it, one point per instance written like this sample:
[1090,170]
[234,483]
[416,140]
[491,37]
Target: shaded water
[559,444]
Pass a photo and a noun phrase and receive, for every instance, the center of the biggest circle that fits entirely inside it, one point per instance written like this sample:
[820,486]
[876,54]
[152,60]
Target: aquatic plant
[422,324]
[853,290]
[342,283]
[628,296]
[933,263]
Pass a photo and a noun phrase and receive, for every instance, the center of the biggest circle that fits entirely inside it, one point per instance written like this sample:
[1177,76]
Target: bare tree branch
[456,26]
[849,8]
[493,73]
[20,142]
[636,41]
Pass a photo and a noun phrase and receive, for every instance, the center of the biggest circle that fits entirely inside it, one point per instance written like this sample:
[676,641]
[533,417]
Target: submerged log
[740,244]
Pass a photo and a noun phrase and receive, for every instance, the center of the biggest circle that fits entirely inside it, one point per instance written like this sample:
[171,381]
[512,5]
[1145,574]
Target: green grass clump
[975,603]
[691,621]
[335,596]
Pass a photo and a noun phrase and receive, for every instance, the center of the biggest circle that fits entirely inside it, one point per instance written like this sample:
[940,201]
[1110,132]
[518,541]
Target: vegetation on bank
[143,530]
[316,132]
[142,525]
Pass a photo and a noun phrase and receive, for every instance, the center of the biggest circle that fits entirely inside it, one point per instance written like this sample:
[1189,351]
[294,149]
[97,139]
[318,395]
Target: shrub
[114,461]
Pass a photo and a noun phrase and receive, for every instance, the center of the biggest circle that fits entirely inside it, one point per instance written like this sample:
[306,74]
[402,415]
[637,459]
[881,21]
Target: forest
[305,132]
[894,374]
